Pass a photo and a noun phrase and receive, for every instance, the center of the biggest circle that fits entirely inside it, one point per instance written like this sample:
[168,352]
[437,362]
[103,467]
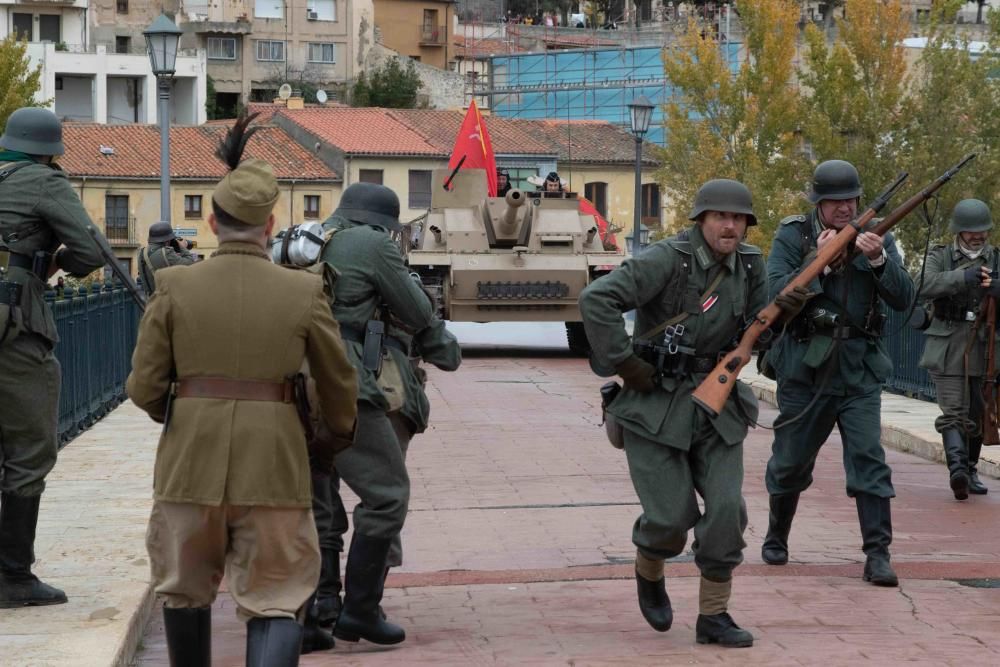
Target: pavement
[517,545]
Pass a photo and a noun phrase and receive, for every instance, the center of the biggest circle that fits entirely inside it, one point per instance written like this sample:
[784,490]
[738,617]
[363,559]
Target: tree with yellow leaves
[17,79]
[742,124]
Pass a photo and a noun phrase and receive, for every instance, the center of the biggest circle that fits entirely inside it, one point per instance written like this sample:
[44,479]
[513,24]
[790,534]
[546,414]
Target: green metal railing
[905,345]
[97,331]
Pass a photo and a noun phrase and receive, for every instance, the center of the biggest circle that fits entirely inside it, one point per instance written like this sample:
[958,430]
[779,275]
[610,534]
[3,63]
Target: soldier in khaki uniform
[164,250]
[957,278]
[39,212]
[216,348]
[692,295]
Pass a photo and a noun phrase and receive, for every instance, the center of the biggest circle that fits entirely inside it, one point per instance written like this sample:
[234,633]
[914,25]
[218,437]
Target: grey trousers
[666,480]
[30,380]
[961,404]
[374,468]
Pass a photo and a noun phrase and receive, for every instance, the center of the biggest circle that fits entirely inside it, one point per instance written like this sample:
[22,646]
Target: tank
[520,258]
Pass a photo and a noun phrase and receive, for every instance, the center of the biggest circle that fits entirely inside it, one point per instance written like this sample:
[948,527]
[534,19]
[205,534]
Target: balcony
[431,36]
[120,231]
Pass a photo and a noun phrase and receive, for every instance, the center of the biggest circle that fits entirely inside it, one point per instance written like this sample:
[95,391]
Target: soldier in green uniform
[831,364]
[957,278]
[434,345]
[692,295]
[372,282]
[164,250]
[43,226]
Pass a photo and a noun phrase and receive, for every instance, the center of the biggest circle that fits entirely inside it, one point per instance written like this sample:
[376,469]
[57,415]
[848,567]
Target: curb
[894,437]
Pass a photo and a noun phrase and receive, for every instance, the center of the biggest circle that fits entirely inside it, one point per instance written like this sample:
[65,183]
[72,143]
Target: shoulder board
[747,249]
[938,246]
[680,245]
[793,218]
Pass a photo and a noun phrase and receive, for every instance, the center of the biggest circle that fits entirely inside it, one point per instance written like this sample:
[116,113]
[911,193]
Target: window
[420,188]
[320,53]
[597,193]
[116,222]
[122,6]
[310,206]
[23,26]
[324,10]
[123,44]
[270,50]
[519,177]
[222,48]
[269,9]
[49,28]
[370,176]
[651,211]
[192,206]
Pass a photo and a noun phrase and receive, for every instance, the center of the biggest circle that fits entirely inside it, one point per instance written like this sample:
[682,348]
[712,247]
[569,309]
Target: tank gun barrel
[515,199]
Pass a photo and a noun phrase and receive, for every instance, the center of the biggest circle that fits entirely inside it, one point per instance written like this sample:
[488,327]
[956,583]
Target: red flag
[602,225]
[473,143]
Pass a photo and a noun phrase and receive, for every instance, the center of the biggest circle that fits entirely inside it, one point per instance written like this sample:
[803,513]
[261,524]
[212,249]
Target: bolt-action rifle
[714,390]
[990,425]
[112,262]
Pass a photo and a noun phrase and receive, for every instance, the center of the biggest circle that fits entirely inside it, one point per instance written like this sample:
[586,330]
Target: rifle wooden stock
[112,263]
[990,425]
[714,390]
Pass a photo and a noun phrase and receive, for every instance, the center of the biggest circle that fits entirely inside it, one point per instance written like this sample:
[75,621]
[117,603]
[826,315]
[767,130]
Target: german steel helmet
[34,131]
[723,194]
[161,232]
[370,204]
[835,179]
[299,245]
[971,215]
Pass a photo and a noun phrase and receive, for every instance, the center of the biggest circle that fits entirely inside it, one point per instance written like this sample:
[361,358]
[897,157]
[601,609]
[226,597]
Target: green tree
[211,105]
[18,81]
[741,125]
[854,97]
[956,97]
[391,86]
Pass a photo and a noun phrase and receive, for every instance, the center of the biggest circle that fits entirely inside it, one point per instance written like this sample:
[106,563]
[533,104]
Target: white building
[83,81]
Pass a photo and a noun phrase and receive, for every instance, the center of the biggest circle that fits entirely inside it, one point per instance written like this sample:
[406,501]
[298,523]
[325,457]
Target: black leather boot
[18,586]
[314,638]
[774,551]
[189,636]
[273,642]
[975,449]
[721,629]
[876,531]
[364,579]
[957,458]
[328,594]
[654,603]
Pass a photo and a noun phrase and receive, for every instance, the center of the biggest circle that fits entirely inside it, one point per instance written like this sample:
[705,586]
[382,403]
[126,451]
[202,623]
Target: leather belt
[234,389]
[357,335]
[19,261]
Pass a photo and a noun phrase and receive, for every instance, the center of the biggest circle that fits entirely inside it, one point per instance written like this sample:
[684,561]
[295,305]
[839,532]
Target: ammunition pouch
[614,430]
[388,374]
[675,360]
[955,311]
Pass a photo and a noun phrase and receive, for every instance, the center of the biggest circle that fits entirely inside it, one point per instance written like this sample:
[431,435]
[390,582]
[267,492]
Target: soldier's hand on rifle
[792,303]
[637,374]
[977,275]
[869,244]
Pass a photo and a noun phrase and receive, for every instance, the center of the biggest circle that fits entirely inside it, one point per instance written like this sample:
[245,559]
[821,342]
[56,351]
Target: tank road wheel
[576,336]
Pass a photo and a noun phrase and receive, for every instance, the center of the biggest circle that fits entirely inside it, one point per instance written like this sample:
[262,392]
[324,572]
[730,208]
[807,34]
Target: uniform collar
[958,253]
[241,248]
[703,253]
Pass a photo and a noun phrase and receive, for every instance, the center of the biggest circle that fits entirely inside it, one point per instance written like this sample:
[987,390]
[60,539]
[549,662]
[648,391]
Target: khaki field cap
[248,193]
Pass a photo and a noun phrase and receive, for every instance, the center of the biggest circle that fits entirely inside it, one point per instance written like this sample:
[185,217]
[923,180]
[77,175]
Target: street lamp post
[161,42]
[640,112]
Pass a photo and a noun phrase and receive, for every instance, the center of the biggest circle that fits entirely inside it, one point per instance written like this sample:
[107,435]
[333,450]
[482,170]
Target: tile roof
[441,127]
[364,131]
[594,141]
[135,152]
[466,47]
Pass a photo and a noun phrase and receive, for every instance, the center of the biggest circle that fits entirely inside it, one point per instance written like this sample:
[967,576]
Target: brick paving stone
[518,547]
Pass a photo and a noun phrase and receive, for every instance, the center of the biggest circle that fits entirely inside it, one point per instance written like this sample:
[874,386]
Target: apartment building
[420,29]
[88,79]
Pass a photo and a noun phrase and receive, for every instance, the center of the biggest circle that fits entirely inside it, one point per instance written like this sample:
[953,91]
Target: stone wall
[440,89]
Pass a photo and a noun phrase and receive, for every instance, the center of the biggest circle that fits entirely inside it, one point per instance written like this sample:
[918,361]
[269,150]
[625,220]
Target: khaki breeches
[269,555]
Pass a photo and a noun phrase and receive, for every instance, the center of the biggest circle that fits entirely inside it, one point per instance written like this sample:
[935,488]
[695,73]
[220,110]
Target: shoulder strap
[11,169]
[680,317]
